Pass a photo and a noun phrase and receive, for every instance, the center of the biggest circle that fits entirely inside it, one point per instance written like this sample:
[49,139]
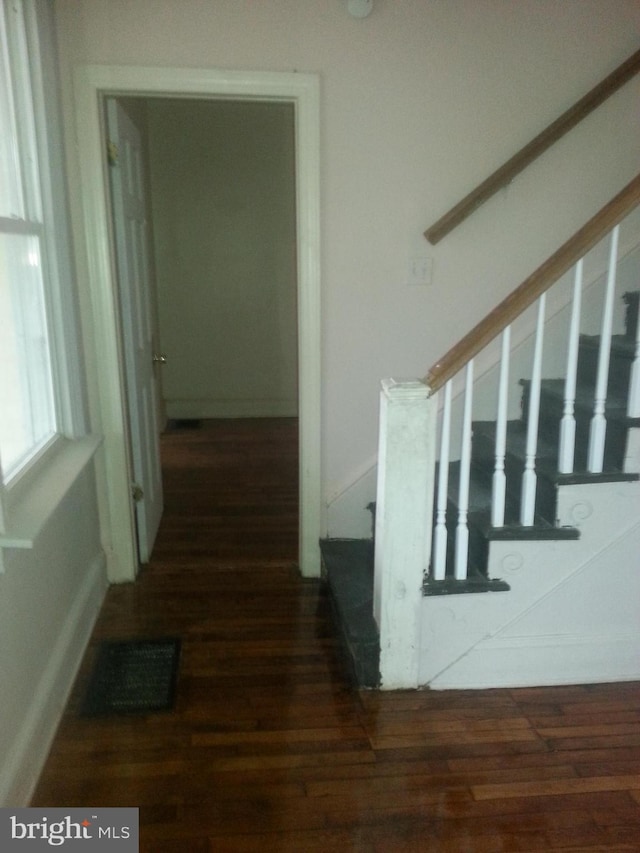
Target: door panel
[132,255]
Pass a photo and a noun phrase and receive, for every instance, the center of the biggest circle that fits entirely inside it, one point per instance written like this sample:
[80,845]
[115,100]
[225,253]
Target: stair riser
[614,441]
[632,303]
[619,369]
[478,545]
[513,468]
[545,505]
[551,411]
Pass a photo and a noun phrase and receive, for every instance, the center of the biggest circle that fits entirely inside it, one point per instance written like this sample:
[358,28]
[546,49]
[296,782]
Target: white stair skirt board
[632,451]
[457,631]
[348,515]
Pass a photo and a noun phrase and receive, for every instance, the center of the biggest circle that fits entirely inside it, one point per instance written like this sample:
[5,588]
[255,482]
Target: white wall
[223,197]
[420,101]
[49,598]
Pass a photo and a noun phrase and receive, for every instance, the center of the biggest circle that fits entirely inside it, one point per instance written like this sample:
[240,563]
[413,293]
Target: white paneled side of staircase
[534,573]
[572,612]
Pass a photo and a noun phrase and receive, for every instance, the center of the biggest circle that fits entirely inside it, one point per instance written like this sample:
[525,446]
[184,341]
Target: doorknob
[159,359]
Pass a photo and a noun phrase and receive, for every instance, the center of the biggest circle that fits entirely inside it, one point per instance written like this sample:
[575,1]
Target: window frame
[30,495]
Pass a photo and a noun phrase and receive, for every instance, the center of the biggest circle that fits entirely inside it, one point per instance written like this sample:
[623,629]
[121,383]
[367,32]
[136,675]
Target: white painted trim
[101,341]
[197,409]
[21,768]
[27,517]
[407,453]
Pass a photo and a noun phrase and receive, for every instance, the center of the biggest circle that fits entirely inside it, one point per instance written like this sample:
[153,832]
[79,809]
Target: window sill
[28,516]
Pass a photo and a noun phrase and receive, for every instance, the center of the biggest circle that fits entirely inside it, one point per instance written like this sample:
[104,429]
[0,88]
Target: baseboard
[22,767]
[203,409]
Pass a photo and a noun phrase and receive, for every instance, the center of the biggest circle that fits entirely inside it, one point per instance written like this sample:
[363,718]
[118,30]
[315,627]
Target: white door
[141,362]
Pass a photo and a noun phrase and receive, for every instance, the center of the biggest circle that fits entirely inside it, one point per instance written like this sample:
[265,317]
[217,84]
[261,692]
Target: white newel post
[404,507]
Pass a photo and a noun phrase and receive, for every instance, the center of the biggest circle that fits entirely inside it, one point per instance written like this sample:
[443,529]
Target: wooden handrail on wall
[505,174]
[535,285]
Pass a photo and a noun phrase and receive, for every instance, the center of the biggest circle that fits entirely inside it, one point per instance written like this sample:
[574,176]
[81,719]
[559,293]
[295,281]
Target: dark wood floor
[270,749]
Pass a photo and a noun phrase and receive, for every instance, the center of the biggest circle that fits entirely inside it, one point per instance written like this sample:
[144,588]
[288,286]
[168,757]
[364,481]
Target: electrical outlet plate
[359,8]
[420,270]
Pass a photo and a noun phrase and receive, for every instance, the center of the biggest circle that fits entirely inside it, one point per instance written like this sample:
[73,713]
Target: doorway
[203,203]
[95,83]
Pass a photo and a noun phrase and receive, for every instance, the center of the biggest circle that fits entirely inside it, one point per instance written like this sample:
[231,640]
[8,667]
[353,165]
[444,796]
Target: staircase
[565,515]
[549,479]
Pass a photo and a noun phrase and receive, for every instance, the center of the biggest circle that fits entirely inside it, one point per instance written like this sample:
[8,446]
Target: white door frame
[101,328]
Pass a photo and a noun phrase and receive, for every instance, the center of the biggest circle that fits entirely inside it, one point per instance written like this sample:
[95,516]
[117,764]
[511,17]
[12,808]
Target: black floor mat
[133,677]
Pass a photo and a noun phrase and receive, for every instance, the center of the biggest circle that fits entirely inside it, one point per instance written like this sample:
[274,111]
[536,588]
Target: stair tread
[450,586]
[540,529]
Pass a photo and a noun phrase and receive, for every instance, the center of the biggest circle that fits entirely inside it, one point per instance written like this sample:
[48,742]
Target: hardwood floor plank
[427,782]
[270,748]
[420,739]
[311,841]
[602,729]
[609,837]
[576,756]
[545,788]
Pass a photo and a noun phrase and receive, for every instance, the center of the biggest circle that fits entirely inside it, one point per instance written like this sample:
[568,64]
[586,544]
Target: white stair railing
[462,529]
[598,430]
[440,535]
[567,438]
[450,559]
[633,407]
[529,477]
[499,482]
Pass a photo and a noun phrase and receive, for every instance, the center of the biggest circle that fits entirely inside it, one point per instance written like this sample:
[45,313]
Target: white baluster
[440,530]
[529,478]
[598,428]
[567,441]
[633,405]
[499,485]
[462,530]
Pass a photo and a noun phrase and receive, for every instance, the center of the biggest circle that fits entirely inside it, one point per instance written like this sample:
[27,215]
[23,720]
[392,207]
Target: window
[29,419]
[44,440]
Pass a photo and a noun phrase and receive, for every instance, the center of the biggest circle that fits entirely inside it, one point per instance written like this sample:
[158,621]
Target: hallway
[269,748]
